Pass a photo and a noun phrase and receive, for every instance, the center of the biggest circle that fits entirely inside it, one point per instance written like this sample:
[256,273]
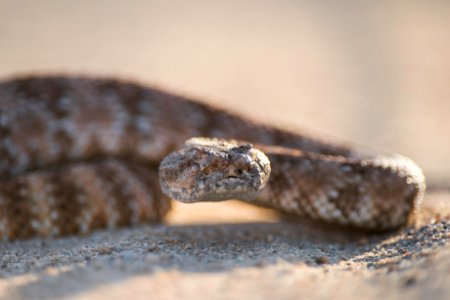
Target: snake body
[80,153]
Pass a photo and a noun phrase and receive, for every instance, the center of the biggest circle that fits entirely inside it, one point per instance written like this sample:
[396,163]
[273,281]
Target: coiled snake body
[78,153]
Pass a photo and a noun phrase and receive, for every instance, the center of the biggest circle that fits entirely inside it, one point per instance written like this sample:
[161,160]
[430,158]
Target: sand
[234,251]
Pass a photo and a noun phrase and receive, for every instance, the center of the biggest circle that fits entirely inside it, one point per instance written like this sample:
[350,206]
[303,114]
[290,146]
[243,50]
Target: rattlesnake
[80,153]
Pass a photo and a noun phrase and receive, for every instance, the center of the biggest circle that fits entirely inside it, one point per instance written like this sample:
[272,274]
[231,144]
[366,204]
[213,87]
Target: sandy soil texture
[249,255]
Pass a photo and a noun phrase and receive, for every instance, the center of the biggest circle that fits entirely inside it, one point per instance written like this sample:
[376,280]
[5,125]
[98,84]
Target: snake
[80,153]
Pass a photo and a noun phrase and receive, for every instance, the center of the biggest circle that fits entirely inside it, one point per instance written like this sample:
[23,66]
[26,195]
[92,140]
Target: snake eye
[243,148]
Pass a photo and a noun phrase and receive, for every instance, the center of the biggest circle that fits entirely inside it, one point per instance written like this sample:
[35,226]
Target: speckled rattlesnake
[78,153]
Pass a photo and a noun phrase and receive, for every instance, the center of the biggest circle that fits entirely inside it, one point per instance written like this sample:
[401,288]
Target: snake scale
[81,153]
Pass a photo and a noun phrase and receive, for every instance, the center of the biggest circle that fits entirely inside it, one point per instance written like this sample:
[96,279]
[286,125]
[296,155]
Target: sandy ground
[232,251]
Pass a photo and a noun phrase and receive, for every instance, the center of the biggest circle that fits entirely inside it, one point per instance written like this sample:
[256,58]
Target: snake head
[214,170]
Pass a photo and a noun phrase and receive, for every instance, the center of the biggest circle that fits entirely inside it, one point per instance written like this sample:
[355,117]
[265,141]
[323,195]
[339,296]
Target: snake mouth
[212,190]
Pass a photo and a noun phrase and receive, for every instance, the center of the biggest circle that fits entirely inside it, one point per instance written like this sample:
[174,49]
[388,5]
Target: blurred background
[371,72]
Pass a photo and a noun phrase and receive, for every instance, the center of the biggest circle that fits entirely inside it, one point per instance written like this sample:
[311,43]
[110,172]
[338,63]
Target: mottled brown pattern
[65,194]
[367,192]
[97,143]
[15,209]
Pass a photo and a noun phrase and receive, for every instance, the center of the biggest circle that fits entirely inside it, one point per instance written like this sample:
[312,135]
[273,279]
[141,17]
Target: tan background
[376,73]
